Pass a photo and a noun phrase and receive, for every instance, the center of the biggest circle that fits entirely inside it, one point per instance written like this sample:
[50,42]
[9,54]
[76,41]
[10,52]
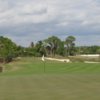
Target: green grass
[25,80]
[36,66]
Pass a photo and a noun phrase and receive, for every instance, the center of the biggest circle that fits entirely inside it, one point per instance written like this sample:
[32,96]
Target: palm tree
[32,45]
[70,45]
[47,48]
[53,44]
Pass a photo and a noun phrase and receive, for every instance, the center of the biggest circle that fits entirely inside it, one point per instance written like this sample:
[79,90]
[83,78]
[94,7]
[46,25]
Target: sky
[25,21]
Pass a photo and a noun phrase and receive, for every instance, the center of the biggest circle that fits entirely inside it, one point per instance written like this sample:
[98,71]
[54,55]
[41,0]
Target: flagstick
[43,62]
[44,66]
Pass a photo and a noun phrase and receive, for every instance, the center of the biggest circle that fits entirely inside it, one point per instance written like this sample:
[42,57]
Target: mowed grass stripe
[72,67]
[81,67]
[47,87]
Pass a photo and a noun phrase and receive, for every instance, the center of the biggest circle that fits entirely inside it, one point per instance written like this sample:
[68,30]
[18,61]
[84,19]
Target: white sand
[62,60]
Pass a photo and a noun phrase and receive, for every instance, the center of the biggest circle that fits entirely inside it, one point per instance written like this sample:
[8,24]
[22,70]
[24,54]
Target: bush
[1,68]
[8,58]
[1,60]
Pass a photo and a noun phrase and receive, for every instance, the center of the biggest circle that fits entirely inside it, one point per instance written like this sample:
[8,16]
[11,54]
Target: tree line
[51,46]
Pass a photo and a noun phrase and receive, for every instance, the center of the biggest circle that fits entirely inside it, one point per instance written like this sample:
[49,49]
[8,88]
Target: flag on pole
[43,58]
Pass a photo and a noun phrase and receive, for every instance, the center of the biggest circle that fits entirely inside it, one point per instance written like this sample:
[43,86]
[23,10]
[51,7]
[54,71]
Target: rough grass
[84,58]
[25,80]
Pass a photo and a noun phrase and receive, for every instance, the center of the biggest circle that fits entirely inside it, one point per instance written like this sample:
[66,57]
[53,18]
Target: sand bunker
[62,60]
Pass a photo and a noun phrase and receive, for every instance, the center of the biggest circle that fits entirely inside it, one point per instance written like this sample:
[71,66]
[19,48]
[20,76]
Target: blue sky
[24,21]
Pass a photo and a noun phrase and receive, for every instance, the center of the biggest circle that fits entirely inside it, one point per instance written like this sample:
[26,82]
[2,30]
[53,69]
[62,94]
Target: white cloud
[49,17]
[88,40]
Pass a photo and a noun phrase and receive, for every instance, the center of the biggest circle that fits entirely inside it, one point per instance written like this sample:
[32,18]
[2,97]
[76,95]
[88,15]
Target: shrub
[1,68]
[8,58]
